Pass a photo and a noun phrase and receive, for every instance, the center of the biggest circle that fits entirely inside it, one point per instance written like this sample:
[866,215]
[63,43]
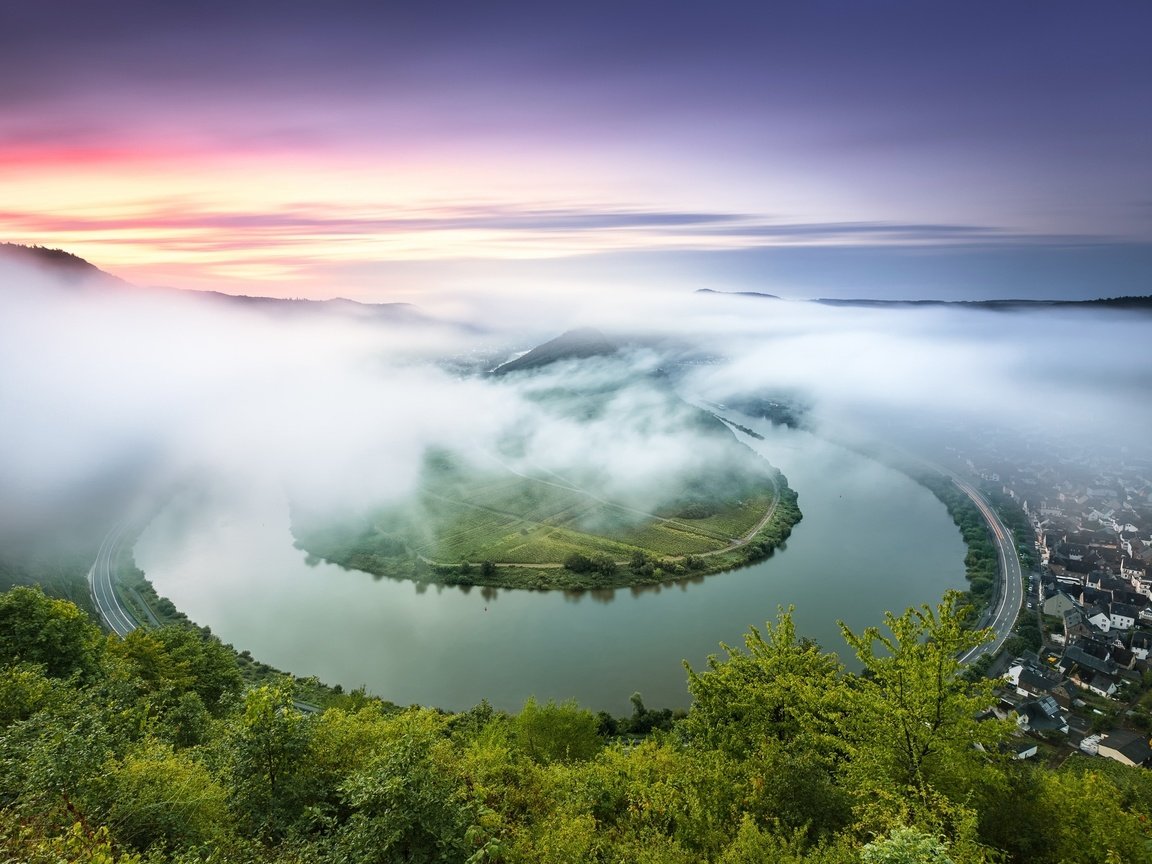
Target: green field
[531,526]
[490,523]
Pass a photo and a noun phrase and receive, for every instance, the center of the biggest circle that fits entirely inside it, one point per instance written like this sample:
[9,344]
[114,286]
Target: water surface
[871,540]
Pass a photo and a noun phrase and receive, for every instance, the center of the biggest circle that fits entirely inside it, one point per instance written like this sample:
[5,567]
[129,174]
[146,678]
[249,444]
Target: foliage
[54,633]
[906,846]
[405,803]
[266,745]
[33,843]
[914,721]
[172,663]
[141,754]
[159,796]
[781,689]
[551,732]
[981,562]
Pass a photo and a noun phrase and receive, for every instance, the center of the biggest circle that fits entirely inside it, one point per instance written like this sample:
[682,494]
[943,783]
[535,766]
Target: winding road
[1010,590]
[100,581]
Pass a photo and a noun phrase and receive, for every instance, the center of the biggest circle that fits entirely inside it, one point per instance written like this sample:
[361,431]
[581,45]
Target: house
[1141,644]
[1058,604]
[1075,551]
[1097,616]
[1103,580]
[1041,715]
[1122,657]
[1139,601]
[1100,648]
[1126,746]
[1122,616]
[1030,679]
[1095,597]
[1100,683]
[1076,656]
[1025,750]
[1139,575]
[1131,569]
[1077,626]
[1065,694]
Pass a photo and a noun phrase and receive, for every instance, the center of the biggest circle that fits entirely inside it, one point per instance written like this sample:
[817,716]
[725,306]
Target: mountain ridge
[575,344]
[79,272]
[1139,302]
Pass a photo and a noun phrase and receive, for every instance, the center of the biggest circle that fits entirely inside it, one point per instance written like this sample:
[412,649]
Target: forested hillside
[147,749]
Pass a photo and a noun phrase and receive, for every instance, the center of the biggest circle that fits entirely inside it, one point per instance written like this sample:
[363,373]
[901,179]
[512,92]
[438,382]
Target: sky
[441,152]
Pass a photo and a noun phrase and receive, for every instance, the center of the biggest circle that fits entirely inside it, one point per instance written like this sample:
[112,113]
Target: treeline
[778,529]
[1014,517]
[149,749]
[62,574]
[981,562]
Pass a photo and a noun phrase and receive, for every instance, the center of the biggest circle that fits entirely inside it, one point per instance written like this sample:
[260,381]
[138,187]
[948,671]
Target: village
[1088,603]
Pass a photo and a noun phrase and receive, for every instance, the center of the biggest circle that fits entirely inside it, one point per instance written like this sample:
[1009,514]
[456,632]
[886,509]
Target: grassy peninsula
[526,533]
[513,520]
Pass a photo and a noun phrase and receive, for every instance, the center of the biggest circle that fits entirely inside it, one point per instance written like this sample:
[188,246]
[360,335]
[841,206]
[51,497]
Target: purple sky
[389,151]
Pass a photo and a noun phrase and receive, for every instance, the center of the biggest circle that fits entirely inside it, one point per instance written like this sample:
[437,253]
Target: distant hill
[738,293]
[70,269]
[73,270]
[1133,303]
[337,306]
[575,344]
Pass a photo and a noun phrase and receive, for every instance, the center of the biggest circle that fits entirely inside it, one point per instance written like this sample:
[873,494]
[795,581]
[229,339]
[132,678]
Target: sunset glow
[271,152]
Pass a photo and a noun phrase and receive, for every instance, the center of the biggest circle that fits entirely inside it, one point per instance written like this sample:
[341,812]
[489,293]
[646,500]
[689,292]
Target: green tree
[53,633]
[147,659]
[552,732]
[267,747]
[777,710]
[158,796]
[187,723]
[405,803]
[780,688]
[342,743]
[1090,820]
[215,675]
[906,846]
[50,761]
[24,690]
[913,725]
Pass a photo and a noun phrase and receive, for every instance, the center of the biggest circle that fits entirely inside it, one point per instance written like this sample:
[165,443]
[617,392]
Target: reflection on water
[870,540]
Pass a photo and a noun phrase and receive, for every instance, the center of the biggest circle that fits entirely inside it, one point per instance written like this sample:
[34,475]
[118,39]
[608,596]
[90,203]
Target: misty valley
[297,518]
[377,495]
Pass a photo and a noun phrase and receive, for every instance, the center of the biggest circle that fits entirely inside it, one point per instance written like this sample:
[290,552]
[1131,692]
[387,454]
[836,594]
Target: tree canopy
[142,751]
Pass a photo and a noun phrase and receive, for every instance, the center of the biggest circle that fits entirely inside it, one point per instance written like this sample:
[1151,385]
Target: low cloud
[307,221]
[340,411]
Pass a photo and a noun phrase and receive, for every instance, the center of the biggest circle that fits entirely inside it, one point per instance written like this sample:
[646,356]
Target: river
[871,540]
